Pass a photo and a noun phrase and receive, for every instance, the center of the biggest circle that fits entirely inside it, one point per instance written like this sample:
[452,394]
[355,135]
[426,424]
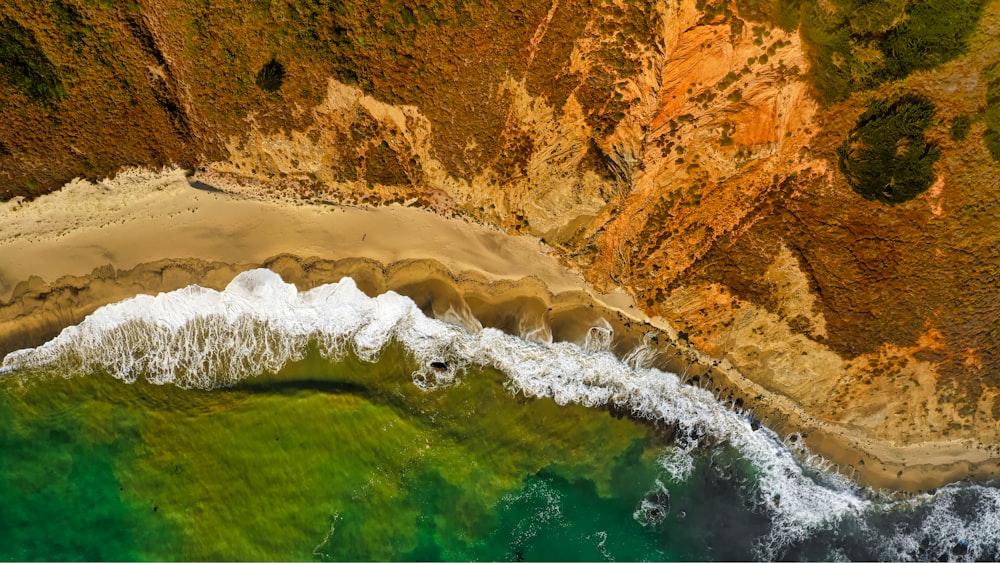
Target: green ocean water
[328,461]
[350,460]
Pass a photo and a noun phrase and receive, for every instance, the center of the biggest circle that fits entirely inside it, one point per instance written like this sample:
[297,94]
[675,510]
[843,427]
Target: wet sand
[66,254]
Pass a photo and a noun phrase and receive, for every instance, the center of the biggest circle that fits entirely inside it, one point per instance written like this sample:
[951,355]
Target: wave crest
[202,338]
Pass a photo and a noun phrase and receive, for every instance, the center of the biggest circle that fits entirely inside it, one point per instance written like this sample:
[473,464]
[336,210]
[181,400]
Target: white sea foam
[643,355]
[462,317]
[654,507]
[678,461]
[599,337]
[196,337]
[534,331]
[961,522]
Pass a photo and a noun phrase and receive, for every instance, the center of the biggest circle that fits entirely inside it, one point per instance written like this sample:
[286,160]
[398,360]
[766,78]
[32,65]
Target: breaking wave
[202,338]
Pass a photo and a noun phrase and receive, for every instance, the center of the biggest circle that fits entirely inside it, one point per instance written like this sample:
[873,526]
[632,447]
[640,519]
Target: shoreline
[66,254]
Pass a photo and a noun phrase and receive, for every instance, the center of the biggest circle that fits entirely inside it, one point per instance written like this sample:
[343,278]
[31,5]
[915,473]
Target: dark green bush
[25,66]
[886,157]
[992,140]
[960,127]
[787,14]
[934,32]
[271,76]
[991,115]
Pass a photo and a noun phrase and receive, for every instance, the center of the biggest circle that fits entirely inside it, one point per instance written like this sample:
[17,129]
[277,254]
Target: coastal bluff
[788,186]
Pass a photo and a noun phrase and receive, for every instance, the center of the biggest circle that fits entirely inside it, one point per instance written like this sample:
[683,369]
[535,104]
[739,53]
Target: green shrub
[784,13]
[960,127]
[858,44]
[828,47]
[271,76]
[886,157]
[992,140]
[868,17]
[991,116]
[787,14]
[70,23]
[25,66]
[934,32]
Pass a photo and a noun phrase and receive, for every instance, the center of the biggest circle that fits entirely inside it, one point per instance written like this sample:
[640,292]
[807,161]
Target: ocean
[267,423]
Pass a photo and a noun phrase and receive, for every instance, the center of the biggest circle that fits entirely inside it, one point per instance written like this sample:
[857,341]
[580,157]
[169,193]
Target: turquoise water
[342,461]
[157,431]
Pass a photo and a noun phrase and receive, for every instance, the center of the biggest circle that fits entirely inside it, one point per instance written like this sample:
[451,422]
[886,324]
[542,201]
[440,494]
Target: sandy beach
[65,254]
[143,217]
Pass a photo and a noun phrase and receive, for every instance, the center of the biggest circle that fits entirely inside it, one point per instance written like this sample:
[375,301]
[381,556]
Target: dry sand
[143,217]
[67,253]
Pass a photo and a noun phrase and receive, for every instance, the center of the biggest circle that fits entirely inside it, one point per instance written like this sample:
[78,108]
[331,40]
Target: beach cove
[90,235]
[67,254]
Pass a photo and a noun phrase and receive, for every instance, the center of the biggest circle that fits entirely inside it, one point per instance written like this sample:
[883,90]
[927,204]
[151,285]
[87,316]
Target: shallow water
[263,423]
[334,461]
